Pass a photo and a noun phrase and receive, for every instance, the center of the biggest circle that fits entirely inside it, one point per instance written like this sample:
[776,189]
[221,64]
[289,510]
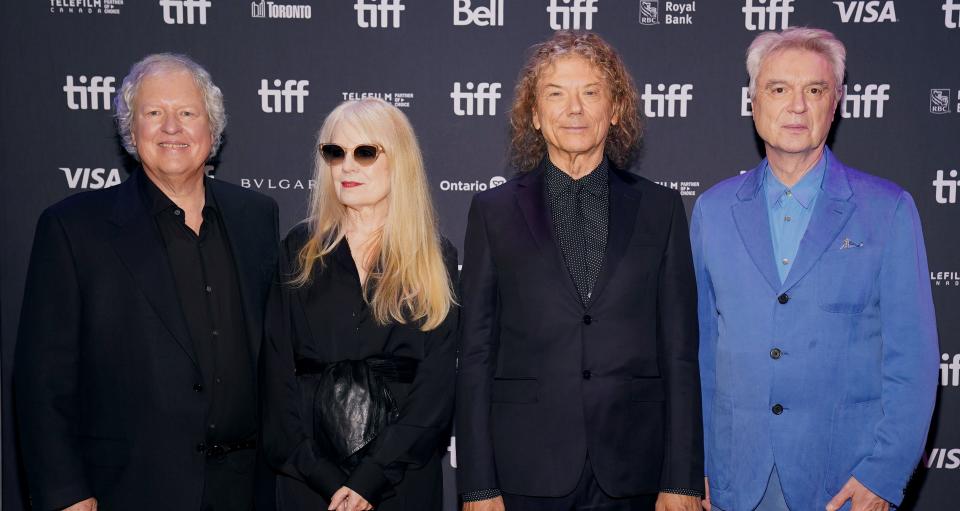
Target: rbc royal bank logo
[649,12]
[951,13]
[89,94]
[872,11]
[90,179]
[767,14]
[946,185]
[489,15]
[572,14]
[941,101]
[284,96]
[479,100]
[668,101]
[264,9]
[382,14]
[178,12]
[864,101]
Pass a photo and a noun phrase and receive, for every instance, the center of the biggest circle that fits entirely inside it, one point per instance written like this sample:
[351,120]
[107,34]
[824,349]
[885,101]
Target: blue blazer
[845,349]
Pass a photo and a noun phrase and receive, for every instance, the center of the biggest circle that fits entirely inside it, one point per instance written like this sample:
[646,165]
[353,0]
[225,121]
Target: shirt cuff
[477,495]
[683,491]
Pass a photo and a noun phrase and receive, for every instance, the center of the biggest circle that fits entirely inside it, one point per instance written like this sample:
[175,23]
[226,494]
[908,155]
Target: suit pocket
[852,441]
[514,390]
[845,279]
[647,389]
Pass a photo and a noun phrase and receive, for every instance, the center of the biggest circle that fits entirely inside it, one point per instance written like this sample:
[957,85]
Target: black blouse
[328,321]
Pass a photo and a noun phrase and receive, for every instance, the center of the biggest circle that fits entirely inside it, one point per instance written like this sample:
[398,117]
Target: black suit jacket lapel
[140,248]
[624,206]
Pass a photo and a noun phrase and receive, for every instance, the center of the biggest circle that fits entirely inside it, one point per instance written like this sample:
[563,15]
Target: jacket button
[587,319]
[777,409]
[775,353]
[587,374]
[784,298]
[197,387]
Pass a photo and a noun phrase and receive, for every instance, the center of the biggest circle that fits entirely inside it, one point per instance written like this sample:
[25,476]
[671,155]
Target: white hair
[816,40]
[165,62]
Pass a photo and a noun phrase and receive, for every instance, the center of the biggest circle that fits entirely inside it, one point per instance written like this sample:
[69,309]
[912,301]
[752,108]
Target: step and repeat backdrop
[451,65]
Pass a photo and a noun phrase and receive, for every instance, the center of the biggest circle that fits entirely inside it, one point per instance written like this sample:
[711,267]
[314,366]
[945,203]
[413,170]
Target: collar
[596,182]
[157,201]
[805,191]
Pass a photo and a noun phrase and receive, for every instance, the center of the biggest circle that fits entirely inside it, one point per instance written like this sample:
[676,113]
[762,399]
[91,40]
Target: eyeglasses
[364,154]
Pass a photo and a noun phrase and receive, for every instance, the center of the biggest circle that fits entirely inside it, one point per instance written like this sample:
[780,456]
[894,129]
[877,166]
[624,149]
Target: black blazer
[107,384]
[544,381]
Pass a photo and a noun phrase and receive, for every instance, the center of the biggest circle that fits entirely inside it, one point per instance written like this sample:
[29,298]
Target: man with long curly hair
[578,384]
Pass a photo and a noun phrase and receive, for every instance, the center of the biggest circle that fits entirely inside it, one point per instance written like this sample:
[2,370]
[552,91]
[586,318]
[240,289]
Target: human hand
[346,499]
[494,504]
[84,505]
[676,502]
[862,499]
[706,494]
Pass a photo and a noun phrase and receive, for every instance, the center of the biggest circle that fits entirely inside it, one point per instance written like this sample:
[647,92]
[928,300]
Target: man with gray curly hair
[818,342]
[135,376]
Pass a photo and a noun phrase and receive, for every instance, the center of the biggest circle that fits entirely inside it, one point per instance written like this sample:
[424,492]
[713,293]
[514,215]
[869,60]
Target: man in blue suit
[818,343]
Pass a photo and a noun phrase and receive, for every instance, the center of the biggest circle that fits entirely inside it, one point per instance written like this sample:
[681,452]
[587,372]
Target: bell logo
[873,11]
[270,99]
[482,16]
[667,101]
[867,102]
[92,179]
[768,15]
[946,188]
[385,14]
[572,14]
[483,99]
[89,95]
[178,12]
[951,16]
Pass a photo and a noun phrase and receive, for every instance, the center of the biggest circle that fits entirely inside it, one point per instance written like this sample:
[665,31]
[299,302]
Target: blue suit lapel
[753,224]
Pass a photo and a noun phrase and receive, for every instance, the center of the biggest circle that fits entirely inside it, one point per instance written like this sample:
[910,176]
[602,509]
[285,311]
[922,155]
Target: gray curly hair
[159,62]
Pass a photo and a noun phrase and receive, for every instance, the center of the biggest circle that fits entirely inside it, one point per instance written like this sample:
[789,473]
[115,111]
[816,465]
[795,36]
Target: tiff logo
[765,16]
[482,16]
[867,102]
[93,179]
[571,14]
[950,370]
[942,458]
[379,15]
[665,101]
[173,11]
[270,98]
[946,188]
[469,101]
[951,14]
[867,11]
[84,96]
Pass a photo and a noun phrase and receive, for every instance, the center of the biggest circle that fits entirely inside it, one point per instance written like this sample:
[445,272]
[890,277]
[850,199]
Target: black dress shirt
[205,276]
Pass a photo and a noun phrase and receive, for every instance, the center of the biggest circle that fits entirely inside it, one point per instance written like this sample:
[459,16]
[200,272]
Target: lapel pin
[849,244]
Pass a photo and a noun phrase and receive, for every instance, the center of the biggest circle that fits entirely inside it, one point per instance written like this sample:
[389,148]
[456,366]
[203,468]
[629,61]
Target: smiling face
[171,129]
[795,102]
[574,110]
[359,187]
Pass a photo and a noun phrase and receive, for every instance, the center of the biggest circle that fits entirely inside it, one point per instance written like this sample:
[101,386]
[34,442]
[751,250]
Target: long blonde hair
[411,280]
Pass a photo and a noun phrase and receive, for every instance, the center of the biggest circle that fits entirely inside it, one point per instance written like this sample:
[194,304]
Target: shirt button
[785,261]
[197,387]
[213,426]
[209,289]
[777,409]
[787,218]
[784,298]
[177,212]
[587,319]
[775,353]
[587,374]
[215,333]
[789,193]
[218,380]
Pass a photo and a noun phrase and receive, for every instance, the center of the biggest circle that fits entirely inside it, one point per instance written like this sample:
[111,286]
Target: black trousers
[587,496]
[228,482]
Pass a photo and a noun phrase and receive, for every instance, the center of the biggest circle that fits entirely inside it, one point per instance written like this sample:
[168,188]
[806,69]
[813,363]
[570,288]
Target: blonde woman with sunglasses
[360,353]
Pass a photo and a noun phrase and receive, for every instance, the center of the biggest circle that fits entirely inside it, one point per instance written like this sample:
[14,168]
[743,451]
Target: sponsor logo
[572,14]
[951,14]
[89,94]
[746,106]
[281,99]
[686,188]
[649,12]
[178,12]
[873,11]
[942,458]
[264,9]
[452,448]
[940,101]
[946,189]
[277,184]
[950,369]
[398,99]
[867,101]
[382,14]
[471,186]
[490,15]
[481,100]
[669,100]
[945,278]
[90,178]
[674,13]
[767,14]
[86,6]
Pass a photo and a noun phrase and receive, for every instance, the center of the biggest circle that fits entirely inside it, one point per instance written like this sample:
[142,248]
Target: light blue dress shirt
[789,211]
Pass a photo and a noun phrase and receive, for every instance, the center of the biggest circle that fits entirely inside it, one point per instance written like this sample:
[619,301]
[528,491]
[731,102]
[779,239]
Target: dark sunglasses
[364,154]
